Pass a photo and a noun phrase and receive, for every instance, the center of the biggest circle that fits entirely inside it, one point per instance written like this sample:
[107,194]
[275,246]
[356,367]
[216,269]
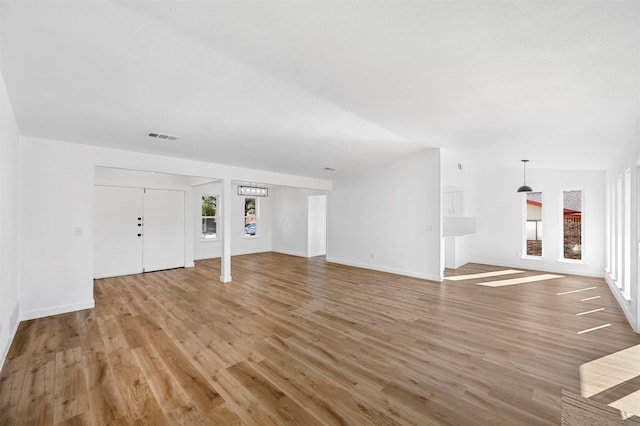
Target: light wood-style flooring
[302,341]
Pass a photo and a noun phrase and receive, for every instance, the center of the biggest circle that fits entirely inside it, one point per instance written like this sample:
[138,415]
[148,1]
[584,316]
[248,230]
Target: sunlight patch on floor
[484,275]
[629,404]
[522,280]
[589,298]
[590,312]
[594,328]
[611,370]
[575,291]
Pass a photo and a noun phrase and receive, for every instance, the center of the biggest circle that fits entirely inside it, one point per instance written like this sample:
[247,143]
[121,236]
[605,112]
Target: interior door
[118,231]
[163,242]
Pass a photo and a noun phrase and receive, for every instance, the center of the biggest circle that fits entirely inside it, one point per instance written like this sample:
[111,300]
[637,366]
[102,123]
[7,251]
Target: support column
[225,258]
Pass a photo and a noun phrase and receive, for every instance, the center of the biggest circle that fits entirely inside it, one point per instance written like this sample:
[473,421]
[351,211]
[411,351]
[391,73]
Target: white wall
[459,180]
[263,239]
[290,220]
[9,222]
[57,180]
[206,249]
[135,179]
[458,199]
[240,244]
[389,219]
[317,226]
[629,158]
[499,236]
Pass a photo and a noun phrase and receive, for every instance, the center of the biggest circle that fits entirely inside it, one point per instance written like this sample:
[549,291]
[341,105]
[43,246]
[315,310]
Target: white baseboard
[290,252]
[386,269]
[320,253]
[12,335]
[56,310]
[624,304]
[540,267]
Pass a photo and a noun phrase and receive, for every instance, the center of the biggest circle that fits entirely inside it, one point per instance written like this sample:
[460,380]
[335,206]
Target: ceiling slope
[297,86]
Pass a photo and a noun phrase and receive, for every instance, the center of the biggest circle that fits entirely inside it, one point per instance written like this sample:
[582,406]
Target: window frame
[582,227]
[215,218]
[524,221]
[256,216]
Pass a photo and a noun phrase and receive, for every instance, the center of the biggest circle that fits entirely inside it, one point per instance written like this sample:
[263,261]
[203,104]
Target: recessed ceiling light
[162,136]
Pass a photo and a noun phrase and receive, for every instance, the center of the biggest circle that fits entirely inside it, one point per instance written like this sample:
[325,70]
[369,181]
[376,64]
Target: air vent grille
[158,135]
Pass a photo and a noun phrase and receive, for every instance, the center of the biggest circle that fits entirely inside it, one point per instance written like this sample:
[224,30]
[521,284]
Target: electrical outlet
[77,231]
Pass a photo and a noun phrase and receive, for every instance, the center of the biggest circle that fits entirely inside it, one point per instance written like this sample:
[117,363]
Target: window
[626,286]
[572,224]
[533,224]
[209,217]
[619,206]
[250,217]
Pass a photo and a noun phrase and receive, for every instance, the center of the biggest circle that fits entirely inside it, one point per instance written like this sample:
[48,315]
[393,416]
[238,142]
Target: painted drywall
[290,220]
[261,242]
[458,200]
[240,244]
[317,227]
[628,159]
[135,179]
[205,249]
[459,177]
[499,236]
[57,179]
[389,219]
[456,251]
[9,222]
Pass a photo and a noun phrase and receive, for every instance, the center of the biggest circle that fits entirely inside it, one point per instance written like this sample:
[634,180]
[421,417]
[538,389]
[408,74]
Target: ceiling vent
[162,136]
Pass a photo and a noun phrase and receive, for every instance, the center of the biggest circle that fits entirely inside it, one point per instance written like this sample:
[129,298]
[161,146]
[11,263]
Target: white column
[225,258]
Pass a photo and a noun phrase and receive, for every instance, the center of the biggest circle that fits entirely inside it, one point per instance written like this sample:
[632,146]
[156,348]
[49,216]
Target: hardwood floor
[294,340]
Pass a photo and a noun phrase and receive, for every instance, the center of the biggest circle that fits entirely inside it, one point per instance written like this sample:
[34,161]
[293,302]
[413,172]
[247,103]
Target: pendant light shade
[524,187]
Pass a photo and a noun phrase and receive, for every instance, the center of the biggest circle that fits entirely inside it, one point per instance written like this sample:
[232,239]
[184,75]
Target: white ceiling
[297,86]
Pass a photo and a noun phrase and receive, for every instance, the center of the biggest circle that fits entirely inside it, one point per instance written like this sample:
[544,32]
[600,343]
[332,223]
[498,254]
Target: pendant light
[524,187]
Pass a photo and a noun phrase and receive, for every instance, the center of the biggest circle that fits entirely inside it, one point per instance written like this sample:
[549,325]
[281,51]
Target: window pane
[531,230]
[249,216]
[209,205]
[534,223]
[209,211]
[209,227]
[572,224]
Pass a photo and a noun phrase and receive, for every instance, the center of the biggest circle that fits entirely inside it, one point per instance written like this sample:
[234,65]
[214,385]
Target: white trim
[625,305]
[12,335]
[412,274]
[319,253]
[567,271]
[256,251]
[290,252]
[56,310]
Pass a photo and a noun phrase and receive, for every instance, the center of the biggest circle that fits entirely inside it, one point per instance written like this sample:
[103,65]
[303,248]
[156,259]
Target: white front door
[137,230]
[118,236]
[163,242]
